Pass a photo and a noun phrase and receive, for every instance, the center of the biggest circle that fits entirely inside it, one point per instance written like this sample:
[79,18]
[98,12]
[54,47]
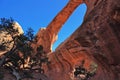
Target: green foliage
[83,74]
[21,47]
[30,34]
[7,25]
[21,50]
[39,59]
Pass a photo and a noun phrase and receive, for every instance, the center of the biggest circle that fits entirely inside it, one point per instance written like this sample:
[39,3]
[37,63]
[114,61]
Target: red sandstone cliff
[47,36]
[97,41]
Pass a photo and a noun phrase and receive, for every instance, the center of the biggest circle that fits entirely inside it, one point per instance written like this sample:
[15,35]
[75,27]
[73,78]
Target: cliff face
[6,38]
[97,40]
[47,36]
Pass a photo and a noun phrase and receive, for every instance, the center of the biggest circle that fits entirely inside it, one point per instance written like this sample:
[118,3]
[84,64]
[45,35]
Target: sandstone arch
[47,36]
[97,40]
[89,42]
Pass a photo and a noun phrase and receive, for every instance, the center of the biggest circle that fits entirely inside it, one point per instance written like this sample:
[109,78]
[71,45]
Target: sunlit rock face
[6,38]
[97,41]
[47,36]
[44,38]
[17,26]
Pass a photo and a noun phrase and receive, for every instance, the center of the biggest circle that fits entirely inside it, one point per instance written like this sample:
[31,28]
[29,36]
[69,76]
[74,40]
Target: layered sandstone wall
[47,36]
[96,41]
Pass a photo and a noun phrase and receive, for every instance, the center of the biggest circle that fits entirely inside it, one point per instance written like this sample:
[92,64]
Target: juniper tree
[21,48]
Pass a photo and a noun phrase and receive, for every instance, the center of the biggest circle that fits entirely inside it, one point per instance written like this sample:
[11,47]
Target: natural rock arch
[50,32]
[96,41]
[89,43]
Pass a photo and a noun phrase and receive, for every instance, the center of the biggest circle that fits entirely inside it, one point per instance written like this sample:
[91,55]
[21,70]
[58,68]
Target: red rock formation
[47,36]
[7,39]
[97,41]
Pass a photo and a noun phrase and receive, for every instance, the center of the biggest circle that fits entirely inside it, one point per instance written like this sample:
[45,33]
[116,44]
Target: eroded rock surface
[47,36]
[97,41]
[7,39]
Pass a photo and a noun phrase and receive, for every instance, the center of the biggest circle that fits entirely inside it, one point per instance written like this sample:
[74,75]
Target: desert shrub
[82,73]
[21,49]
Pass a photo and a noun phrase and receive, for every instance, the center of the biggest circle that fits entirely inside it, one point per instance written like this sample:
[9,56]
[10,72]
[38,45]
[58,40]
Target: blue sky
[39,13]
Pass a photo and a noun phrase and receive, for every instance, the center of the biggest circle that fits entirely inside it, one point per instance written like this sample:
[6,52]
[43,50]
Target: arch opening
[74,21]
